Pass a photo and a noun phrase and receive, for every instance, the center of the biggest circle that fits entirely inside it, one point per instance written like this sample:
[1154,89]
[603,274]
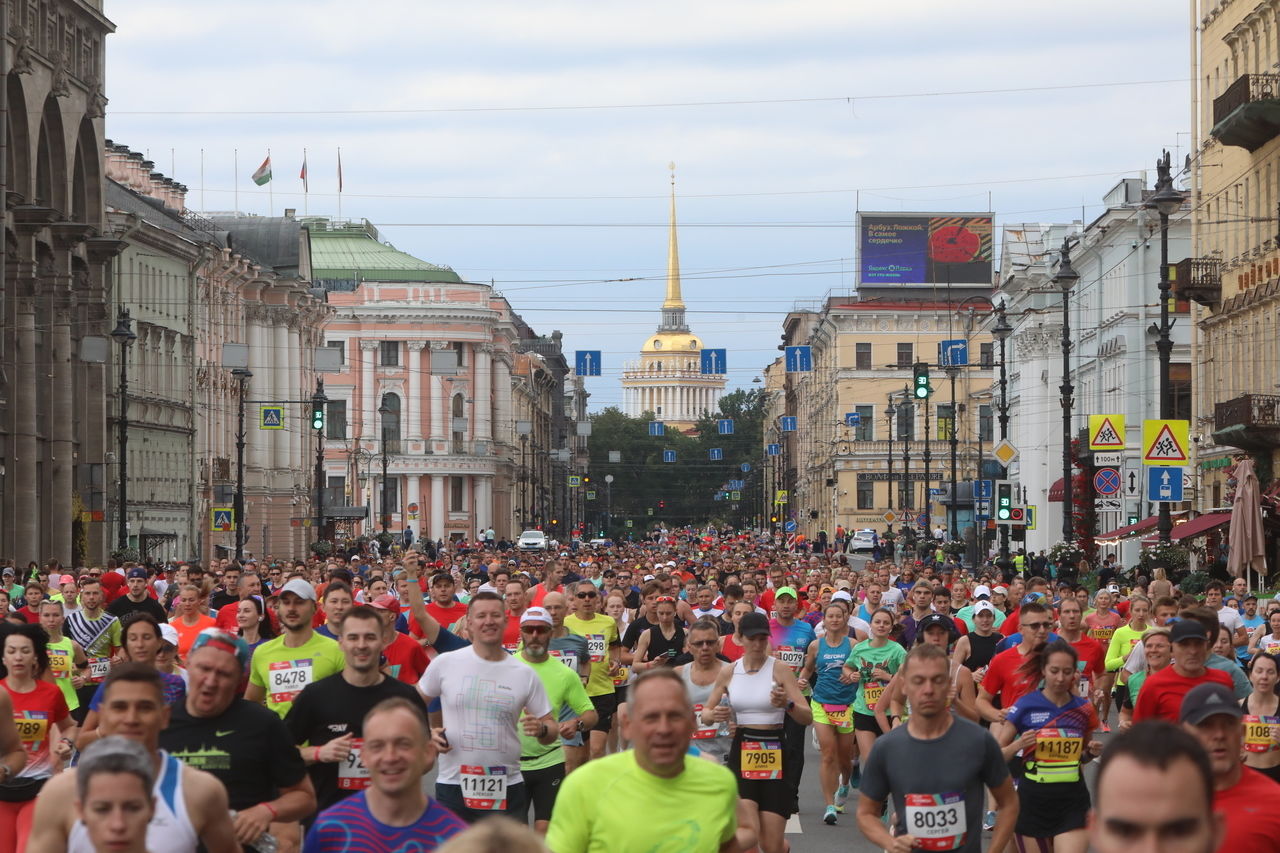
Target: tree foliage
[681,492]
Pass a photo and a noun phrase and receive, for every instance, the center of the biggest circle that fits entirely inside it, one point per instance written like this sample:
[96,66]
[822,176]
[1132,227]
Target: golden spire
[673,299]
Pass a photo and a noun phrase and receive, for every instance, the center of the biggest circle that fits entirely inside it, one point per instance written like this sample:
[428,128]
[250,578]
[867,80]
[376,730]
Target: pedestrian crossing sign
[271,417]
[222,519]
[1164,442]
[1106,432]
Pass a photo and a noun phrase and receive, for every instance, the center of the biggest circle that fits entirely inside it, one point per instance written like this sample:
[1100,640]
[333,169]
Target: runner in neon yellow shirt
[282,667]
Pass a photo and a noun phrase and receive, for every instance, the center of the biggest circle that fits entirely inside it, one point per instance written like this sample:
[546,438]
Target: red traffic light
[1018,515]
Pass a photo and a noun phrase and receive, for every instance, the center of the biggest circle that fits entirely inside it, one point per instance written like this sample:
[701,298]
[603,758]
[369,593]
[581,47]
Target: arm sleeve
[257,667]
[538,705]
[1143,706]
[297,720]
[447,641]
[430,681]
[576,696]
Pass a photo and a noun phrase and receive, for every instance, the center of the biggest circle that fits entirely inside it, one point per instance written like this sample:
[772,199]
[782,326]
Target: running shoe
[1103,727]
[842,797]
[829,818]
[989,822]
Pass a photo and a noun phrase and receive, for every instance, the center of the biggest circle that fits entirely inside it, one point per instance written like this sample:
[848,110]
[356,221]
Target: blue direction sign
[1106,482]
[953,353]
[657,428]
[725,426]
[715,454]
[852,419]
[713,361]
[772,450]
[668,456]
[586,362]
[983,489]
[737,484]
[799,359]
[787,423]
[789,526]
[744,467]
[1164,483]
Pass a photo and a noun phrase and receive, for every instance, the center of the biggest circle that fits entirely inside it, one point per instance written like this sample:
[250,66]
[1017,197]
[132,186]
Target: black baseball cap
[1205,700]
[753,625]
[935,620]
[1188,629]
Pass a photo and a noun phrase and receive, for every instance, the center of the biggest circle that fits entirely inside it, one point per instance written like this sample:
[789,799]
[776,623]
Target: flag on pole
[339,170]
[263,175]
[303,174]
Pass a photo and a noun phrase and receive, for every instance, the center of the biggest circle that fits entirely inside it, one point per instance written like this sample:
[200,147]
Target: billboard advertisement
[924,248]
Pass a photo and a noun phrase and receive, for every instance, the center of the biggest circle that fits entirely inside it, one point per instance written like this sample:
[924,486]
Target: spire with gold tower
[667,379]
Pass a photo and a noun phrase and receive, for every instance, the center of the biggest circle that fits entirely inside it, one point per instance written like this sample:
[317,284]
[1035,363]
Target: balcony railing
[1197,279]
[1251,421]
[1248,113]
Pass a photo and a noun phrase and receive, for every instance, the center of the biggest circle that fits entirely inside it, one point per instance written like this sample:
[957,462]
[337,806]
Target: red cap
[386,601]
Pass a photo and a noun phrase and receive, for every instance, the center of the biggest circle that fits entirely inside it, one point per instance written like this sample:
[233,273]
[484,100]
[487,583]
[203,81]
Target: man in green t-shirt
[298,657]
[604,647]
[542,766]
[690,804]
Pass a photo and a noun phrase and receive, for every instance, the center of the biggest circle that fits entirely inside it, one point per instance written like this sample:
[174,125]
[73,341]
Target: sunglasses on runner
[701,644]
[664,599]
[1036,626]
[586,595]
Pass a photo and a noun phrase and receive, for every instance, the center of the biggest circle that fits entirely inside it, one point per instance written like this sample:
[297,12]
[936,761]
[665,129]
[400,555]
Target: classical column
[483,406]
[61,423]
[283,389]
[412,486]
[437,506]
[257,388]
[502,415]
[299,428]
[368,391]
[413,406]
[438,432]
[23,482]
[484,504]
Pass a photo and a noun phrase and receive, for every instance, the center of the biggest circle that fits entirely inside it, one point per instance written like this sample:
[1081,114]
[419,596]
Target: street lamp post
[242,375]
[1001,333]
[384,411]
[608,503]
[1065,278]
[124,335]
[524,429]
[889,413]
[904,497]
[954,440]
[1165,202]
[318,401]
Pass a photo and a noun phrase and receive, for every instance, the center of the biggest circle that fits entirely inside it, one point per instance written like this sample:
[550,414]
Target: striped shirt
[349,827]
[96,636]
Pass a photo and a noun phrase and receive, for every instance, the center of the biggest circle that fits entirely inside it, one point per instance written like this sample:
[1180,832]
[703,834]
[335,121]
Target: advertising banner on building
[924,248]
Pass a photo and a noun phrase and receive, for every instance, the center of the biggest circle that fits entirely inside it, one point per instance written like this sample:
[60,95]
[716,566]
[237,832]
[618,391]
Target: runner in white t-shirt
[484,695]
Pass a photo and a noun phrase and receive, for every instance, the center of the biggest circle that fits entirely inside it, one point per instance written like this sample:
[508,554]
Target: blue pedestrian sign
[724,426]
[772,450]
[586,362]
[790,526]
[744,467]
[657,428]
[271,417]
[738,484]
[222,519]
[715,454]
[1164,483]
[787,423]
[983,489]
[852,419]
[953,353]
[799,359]
[713,361]
[668,456]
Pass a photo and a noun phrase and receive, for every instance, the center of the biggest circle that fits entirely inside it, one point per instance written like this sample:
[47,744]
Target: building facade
[1233,276]
[667,379]
[853,471]
[56,464]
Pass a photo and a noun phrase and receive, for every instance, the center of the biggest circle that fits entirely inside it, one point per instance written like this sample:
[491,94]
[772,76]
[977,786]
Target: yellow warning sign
[1165,442]
[1106,432]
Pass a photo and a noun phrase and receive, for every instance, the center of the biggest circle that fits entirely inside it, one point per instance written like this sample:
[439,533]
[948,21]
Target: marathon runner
[1262,717]
[486,698]
[834,691]
[699,676]
[95,631]
[604,647]
[935,767]
[282,667]
[190,807]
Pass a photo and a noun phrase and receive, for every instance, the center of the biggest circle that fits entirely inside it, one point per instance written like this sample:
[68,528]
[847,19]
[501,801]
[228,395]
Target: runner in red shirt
[405,659]
[1003,681]
[1245,796]
[1162,694]
[444,606]
[1092,662]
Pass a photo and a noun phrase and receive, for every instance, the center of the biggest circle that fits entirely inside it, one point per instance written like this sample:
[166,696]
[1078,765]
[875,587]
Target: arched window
[390,411]
[457,406]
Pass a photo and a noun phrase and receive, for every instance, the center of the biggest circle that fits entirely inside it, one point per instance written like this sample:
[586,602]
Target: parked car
[532,540]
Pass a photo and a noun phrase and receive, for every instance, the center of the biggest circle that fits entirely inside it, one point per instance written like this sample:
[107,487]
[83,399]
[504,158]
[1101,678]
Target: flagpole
[339,182]
[304,182]
[202,207]
[235,165]
[271,192]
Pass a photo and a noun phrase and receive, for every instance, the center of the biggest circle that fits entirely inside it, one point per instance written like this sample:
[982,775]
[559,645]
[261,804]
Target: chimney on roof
[133,170]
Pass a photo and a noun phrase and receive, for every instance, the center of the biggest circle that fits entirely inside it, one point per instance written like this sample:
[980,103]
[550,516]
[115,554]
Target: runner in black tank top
[981,649]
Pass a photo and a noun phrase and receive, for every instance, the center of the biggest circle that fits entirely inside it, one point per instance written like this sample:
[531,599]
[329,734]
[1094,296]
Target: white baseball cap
[536,616]
[984,607]
[980,590]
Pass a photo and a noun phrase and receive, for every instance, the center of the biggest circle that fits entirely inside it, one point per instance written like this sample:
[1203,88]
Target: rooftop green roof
[352,252]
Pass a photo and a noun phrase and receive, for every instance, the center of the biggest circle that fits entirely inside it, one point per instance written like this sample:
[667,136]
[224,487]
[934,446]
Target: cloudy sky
[528,142]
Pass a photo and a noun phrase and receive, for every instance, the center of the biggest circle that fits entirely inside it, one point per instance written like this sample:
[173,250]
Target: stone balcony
[1250,422]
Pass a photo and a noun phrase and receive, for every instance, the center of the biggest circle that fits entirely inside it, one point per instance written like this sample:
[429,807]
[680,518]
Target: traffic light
[585,479]
[662,504]
[317,414]
[920,389]
[773,519]
[1004,500]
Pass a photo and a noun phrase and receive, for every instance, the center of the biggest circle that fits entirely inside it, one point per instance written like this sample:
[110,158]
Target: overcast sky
[452,146]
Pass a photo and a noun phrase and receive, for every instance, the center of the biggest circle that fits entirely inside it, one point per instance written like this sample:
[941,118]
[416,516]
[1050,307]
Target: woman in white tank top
[761,694]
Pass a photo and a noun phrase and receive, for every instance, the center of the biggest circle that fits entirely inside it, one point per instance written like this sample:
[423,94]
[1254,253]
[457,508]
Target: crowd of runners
[644,696]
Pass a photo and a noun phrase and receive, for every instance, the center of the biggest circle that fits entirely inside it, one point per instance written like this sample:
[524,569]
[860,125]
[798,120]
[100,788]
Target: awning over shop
[1199,526]
[1058,490]
[1129,530]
